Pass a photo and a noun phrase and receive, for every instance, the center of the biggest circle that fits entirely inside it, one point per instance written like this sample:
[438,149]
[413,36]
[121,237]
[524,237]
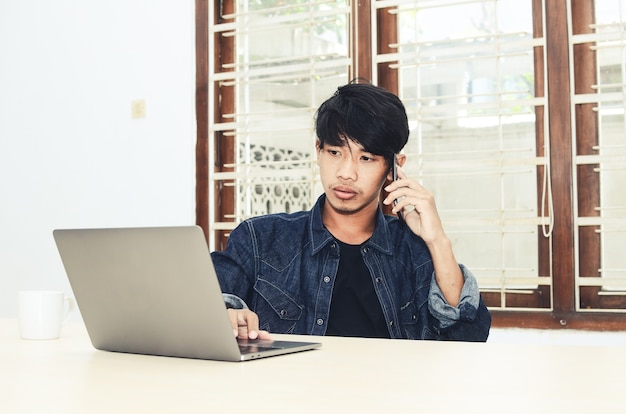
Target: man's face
[352,177]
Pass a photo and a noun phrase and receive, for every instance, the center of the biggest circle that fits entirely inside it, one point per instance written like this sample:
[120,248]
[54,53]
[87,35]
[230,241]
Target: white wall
[70,154]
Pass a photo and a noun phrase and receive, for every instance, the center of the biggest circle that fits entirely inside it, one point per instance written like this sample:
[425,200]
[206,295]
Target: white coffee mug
[43,312]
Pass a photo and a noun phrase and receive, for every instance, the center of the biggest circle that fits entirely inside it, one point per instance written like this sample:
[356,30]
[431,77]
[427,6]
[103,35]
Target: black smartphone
[394,176]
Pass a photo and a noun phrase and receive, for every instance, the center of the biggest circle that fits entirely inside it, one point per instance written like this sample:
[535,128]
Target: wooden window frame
[563,314]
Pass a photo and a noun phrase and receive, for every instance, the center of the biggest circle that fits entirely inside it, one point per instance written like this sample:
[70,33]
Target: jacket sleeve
[469,321]
[233,301]
[235,268]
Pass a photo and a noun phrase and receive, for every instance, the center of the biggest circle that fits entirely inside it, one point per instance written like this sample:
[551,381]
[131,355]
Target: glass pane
[291,56]
[612,171]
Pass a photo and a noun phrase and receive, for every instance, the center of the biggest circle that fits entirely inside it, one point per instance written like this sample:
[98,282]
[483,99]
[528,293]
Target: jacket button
[320,321]
[283,312]
[326,279]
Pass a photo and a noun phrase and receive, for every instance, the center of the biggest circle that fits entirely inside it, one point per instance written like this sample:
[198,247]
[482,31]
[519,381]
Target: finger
[404,204]
[402,187]
[399,196]
[395,191]
[252,323]
[233,317]
[265,335]
[248,325]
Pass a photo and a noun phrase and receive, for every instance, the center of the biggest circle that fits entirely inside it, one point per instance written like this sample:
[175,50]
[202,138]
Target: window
[284,58]
[517,126]
[471,92]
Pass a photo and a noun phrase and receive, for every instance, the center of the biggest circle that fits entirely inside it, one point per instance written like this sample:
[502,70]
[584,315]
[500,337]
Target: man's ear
[400,159]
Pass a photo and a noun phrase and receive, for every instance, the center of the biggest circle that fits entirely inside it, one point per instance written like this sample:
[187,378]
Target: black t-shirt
[354,307]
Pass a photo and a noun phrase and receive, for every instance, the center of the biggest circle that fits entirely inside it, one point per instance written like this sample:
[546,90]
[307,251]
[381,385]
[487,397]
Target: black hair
[367,114]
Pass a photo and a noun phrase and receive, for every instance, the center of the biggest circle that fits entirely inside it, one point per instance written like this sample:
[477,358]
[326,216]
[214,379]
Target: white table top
[68,375]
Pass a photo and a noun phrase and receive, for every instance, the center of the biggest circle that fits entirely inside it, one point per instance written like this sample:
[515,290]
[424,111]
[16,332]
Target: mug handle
[70,305]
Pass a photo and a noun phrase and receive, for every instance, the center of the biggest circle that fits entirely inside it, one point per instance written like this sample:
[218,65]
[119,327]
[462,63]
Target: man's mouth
[344,193]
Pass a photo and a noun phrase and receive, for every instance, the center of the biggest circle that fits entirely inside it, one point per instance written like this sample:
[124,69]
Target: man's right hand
[245,324]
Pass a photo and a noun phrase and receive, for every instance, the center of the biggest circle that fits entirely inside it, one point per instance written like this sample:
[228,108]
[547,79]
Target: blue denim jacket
[283,267]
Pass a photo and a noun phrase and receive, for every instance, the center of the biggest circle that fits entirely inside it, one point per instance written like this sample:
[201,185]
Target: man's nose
[347,169]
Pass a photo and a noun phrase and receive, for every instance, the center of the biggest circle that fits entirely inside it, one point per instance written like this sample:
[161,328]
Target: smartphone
[394,176]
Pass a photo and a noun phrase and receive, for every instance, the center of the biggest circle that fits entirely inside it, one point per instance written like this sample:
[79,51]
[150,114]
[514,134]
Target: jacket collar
[320,236]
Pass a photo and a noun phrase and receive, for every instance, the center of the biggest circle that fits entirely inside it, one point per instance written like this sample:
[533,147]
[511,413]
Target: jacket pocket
[414,322]
[278,312]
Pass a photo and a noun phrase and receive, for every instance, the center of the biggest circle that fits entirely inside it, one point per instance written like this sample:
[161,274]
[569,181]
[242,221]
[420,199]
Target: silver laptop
[154,291]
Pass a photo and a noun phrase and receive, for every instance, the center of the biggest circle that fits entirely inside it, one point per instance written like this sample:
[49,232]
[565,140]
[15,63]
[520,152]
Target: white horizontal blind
[608,41]
[467,77]
[291,56]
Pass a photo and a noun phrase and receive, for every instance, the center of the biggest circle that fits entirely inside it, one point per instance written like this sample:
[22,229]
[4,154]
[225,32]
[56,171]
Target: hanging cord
[546,192]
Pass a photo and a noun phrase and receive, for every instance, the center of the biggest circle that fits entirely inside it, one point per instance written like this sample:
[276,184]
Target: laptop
[154,291]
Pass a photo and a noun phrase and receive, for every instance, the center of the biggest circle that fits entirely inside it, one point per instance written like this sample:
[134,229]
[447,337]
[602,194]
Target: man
[344,268]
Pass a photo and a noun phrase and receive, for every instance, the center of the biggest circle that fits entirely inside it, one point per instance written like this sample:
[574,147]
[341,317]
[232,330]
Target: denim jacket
[283,267]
